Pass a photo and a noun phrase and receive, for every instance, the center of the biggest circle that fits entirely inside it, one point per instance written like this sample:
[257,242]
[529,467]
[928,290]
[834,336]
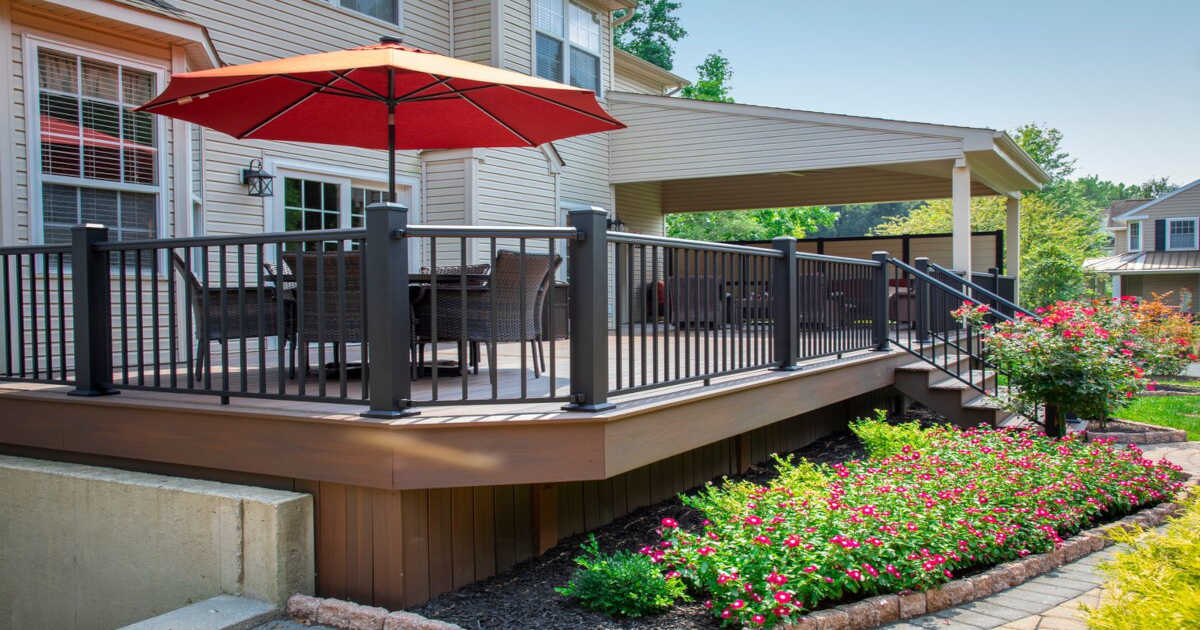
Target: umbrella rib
[346,76]
[328,89]
[404,97]
[451,92]
[554,102]
[206,93]
[498,120]
[268,120]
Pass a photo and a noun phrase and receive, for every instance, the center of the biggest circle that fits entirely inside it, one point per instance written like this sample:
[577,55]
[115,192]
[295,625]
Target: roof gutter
[625,18]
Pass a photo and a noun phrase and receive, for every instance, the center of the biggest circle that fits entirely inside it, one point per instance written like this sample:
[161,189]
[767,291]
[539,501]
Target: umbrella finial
[390,39]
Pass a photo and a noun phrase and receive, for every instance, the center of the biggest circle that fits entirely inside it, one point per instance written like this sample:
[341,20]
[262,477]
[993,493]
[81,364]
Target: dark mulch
[524,596]
[1169,389]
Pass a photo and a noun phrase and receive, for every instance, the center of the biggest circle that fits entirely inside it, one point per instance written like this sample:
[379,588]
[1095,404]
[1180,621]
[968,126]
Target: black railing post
[784,278]
[587,271]
[922,288]
[92,312]
[880,314]
[388,314]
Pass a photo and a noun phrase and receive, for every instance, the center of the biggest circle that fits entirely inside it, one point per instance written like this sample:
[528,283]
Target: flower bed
[911,521]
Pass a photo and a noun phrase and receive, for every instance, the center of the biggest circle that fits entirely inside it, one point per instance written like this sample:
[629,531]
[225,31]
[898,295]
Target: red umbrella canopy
[344,98]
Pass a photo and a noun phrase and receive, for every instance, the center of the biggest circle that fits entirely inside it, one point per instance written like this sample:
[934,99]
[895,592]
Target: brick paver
[1051,601]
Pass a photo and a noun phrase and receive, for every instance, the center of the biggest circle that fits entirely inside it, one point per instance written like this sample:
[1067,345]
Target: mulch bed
[524,596]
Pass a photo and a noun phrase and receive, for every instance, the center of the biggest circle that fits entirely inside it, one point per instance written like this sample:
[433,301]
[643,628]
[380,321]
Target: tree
[712,80]
[747,225]
[860,218]
[1044,145]
[651,33]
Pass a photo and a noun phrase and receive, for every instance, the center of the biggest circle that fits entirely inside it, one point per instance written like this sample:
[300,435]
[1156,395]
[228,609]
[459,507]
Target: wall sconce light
[615,224]
[260,181]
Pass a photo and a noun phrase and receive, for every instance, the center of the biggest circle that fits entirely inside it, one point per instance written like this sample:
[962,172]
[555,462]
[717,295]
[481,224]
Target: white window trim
[1129,236]
[1195,234]
[337,6]
[280,168]
[31,44]
[565,40]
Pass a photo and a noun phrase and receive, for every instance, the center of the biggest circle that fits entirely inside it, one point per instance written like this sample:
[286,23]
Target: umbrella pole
[391,136]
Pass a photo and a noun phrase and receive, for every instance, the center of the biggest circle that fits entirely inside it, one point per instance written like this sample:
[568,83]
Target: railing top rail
[667,241]
[488,231]
[838,259]
[12,250]
[235,239]
[941,285]
[988,292]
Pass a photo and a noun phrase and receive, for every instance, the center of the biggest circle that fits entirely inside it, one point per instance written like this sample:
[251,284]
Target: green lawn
[1177,412]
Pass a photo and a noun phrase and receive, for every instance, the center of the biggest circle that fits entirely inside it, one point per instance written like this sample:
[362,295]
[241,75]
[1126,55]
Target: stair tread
[975,376]
[925,366]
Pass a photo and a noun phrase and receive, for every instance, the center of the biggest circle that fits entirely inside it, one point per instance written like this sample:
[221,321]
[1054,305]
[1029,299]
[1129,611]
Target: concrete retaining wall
[87,547]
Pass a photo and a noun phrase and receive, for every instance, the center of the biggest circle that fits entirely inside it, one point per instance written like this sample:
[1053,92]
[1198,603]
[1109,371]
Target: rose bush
[910,521]
[1089,358]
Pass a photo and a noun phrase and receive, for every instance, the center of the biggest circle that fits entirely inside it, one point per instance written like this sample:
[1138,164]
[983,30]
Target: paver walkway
[1050,601]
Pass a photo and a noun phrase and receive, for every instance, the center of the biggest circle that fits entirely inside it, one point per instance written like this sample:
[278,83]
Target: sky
[1121,80]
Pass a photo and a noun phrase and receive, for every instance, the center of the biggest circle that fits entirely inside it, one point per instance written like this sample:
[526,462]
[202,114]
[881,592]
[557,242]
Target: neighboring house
[1156,250]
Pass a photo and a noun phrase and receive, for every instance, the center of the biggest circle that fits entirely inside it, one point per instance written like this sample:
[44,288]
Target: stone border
[1153,434]
[882,609]
[336,613]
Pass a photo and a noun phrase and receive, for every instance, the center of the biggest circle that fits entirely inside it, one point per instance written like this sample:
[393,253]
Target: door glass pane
[311,205]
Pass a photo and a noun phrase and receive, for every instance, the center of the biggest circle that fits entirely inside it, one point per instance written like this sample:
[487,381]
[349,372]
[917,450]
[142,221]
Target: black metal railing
[37,311]
[686,310]
[395,316]
[988,295]
[921,320]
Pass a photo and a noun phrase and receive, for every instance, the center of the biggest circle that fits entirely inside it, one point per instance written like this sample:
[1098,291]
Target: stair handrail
[943,286]
[984,290]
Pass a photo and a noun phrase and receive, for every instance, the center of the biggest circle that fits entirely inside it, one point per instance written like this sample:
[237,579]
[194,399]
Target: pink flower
[670,523]
[783,597]
[810,568]
[759,619]
[738,604]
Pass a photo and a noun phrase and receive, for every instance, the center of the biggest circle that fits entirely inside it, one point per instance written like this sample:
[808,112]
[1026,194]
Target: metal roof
[1145,262]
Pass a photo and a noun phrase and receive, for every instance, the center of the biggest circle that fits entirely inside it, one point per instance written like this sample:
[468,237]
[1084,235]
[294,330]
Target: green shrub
[1157,578]
[624,583]
[883,439]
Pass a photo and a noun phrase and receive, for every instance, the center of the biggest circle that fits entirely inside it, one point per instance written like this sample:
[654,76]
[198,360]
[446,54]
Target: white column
[960,194]
[1012,246]
[1116,286]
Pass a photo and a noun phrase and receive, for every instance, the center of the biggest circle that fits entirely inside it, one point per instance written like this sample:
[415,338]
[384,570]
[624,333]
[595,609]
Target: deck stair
[949,387]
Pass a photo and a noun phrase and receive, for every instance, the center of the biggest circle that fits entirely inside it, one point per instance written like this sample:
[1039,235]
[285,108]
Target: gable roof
[1121,206]
[1134,212]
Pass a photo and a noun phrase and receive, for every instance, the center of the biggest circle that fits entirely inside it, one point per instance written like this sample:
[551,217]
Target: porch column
[1116,286]
[1012,244]
[960,201]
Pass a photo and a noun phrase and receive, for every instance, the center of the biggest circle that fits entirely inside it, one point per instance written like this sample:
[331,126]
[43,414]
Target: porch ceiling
[725,156]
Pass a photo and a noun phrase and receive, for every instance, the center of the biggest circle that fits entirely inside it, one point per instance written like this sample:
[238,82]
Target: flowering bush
[1171,337]
[911,521]
[1080,357]
[1086,357]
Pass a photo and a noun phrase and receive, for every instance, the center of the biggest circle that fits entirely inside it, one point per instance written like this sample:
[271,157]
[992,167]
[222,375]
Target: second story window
[1135,236]
[386,10]
[1181,234]
[568,44]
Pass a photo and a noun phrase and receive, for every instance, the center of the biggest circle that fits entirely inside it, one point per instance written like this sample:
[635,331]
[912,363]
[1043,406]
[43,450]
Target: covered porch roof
[727,156]
[1146,262]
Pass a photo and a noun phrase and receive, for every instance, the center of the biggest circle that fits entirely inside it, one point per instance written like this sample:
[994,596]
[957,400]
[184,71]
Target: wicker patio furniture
[493,311]
[237,316]
[329,299]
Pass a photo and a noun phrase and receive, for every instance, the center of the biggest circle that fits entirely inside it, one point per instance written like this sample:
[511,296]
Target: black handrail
[987,292]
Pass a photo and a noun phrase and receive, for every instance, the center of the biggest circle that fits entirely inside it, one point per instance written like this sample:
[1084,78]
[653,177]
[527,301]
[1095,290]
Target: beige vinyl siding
[639,207]
[517,31]
[1162,284]
[514,187]
[20,144]
[472,30]
[445,204]
[1183,205]
[639,85]
[585,175]
[677,143]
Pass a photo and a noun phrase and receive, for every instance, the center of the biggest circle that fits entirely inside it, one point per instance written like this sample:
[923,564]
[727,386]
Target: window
[99,158]
[1135,236]
[386,10]
[315,204]
[1181,234]
[567,44]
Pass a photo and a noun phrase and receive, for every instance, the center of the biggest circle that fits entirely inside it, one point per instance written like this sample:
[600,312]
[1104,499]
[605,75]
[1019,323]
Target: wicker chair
[500,299]
[238,323]
[319,319]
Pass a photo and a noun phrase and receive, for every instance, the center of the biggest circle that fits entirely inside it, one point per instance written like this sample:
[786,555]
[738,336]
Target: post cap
[582,208]
[388,205]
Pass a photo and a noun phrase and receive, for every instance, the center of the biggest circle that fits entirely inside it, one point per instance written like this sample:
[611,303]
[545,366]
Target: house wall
[1186,204]
[1145,286]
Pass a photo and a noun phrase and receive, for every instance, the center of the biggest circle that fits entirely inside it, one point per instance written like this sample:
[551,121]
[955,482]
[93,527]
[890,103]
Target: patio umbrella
[384,96]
